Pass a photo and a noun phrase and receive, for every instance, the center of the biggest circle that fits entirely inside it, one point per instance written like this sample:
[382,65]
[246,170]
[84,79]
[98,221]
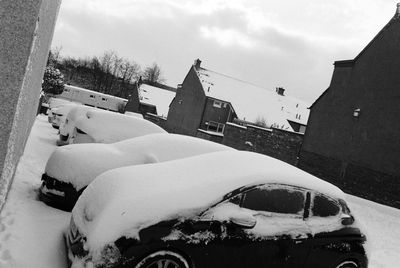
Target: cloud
[263,41]
[227,37]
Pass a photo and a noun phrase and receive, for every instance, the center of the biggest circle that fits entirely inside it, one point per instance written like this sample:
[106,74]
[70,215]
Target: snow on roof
[109,127]
[252,102]
[80,164]
[122,201]
[161,98]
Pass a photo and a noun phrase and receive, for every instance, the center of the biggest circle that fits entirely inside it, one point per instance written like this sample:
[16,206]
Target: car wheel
[347,264]
[163,259]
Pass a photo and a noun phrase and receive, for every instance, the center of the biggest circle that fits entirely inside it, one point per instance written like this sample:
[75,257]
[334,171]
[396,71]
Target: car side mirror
[244,221]
[347,219]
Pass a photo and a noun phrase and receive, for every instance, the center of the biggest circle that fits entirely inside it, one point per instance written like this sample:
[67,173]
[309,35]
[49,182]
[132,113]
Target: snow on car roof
[122,201]
[66,128]
[108,127]
[79,164]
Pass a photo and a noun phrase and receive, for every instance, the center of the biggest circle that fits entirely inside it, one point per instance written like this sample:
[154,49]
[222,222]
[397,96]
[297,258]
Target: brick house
[207,100]
[352,136]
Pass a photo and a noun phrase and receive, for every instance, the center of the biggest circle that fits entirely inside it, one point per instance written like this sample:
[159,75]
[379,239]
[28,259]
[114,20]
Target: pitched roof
[350,63]
[161,98]
[252,102]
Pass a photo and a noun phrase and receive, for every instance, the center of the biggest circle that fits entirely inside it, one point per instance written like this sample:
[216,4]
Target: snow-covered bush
[53,81]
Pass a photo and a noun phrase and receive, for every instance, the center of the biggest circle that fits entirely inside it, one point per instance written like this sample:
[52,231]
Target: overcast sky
[271,43]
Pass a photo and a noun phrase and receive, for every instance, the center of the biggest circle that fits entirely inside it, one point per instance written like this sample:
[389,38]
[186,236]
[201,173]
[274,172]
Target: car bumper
[58,194]
[55,201]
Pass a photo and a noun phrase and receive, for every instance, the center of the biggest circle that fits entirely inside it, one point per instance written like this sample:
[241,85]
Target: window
[91,96]
[324,207]
[215,126]
[236,199]
[103,99]
[217,104]
[277,200]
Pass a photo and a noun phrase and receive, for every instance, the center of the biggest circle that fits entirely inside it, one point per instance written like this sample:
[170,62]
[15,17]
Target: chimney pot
[197,63]
[280,91]
[398,8]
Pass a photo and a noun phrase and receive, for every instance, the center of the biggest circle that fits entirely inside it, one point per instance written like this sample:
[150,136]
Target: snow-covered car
[53,104]
[108,127]
[68,126]
[223,209]
[72,167]
[60,113]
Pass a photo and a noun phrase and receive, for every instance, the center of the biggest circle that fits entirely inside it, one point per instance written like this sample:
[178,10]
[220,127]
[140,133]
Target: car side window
[284,200]
[324,206]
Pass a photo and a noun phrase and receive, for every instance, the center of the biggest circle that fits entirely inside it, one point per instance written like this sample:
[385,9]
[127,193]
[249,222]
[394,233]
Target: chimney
[280,91]
[398,9]
[197,63]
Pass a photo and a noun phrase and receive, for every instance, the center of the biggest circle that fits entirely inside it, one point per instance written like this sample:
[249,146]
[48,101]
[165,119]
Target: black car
[256,225]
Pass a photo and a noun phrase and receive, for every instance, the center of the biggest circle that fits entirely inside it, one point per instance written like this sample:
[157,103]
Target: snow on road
[31,232]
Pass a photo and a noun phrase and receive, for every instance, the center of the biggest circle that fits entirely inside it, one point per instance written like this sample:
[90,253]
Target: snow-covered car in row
[67,127]
[54,103]
[99,126]
[223,209]
[72,167]
[60,113]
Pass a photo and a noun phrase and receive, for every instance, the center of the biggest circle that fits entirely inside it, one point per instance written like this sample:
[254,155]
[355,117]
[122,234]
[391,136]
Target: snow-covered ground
[31,232]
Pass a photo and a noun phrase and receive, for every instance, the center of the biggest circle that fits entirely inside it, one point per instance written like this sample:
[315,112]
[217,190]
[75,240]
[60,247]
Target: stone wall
[208,136]
[353,178]
[280,144]
[158,120]
[26,30]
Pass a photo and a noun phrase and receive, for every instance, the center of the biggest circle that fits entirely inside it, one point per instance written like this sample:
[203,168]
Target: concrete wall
[26,30]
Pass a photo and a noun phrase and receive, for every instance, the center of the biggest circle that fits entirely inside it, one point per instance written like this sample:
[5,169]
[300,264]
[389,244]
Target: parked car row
[143,198]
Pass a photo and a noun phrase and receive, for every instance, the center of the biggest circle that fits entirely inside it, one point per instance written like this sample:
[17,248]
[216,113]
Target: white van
[93,98]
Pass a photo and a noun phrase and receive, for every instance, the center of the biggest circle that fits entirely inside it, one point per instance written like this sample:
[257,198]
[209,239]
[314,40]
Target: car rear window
[276,200]
[324,207]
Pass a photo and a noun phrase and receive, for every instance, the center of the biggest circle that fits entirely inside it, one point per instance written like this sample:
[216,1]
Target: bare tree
[153,74]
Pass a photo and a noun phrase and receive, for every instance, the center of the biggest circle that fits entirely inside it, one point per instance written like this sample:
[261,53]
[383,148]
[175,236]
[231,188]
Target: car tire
[164,259]
[347,264]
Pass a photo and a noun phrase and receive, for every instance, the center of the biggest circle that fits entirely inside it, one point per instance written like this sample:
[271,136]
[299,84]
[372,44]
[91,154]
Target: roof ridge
[237,79]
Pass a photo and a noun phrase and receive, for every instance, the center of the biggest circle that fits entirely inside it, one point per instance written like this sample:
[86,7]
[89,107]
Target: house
[352,137]
[155,100]
[207,100]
